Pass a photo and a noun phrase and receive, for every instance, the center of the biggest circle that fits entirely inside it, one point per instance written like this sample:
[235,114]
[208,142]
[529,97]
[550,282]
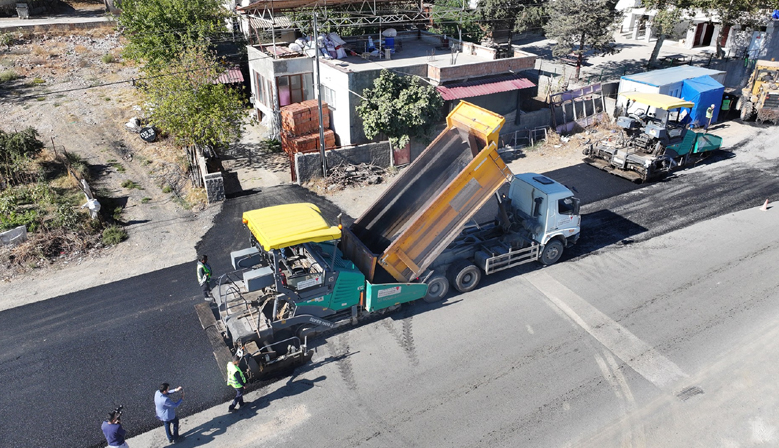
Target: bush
[145,200]
[129,184]
[78,165]
[108,58]
[8,75]
[166,189]
[113,235]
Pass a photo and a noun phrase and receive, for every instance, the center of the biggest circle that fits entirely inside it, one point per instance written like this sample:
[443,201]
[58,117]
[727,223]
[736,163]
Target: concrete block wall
[215,187]
[485,68]
[309,166]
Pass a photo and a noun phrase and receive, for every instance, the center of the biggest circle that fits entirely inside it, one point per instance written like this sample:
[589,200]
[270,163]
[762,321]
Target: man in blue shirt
[166,409]
[113,431]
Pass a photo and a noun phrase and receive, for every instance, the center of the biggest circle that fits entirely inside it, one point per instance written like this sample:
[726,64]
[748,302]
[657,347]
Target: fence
[522,137]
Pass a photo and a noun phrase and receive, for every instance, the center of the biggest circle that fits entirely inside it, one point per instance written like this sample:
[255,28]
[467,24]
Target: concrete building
[280,76]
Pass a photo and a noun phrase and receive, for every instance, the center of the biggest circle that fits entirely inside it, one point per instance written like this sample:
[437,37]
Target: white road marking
[634,352]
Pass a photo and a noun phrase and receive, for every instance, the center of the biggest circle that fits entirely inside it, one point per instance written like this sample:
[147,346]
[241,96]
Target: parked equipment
[760,97]
[302,276]
[655,139]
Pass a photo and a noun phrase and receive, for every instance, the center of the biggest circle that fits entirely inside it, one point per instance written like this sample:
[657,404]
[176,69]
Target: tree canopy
[400,107]
[512,15]
[158,30]
[184,99]
[581,25]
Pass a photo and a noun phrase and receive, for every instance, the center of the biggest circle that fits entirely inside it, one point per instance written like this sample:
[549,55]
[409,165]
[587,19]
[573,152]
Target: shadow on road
[207,432]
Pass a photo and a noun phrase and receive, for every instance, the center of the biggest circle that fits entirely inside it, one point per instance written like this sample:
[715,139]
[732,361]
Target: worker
[166,410]
[709,116]
[113,431]
[237,381]
[204,276]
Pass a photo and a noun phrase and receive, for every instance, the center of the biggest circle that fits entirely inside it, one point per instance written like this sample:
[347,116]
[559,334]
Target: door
[698,32]
[707,35]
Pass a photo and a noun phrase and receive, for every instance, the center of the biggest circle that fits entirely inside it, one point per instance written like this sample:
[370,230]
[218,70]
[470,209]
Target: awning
[483,87]
[230,76]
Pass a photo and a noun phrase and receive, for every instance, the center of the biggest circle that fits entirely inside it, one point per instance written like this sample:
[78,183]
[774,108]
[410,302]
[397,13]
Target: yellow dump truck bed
[427,206]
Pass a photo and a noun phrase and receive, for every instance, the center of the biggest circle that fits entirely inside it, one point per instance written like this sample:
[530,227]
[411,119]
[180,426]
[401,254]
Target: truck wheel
[464,276]
[437,288]
[747,111]
[552,252]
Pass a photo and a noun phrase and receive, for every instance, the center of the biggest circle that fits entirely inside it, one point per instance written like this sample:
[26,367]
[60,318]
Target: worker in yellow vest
[204,276]
[236,380]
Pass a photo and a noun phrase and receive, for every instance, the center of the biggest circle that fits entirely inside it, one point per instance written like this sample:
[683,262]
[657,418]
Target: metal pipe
[319,98]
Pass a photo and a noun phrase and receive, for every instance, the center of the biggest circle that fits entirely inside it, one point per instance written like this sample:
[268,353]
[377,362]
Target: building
[280,76]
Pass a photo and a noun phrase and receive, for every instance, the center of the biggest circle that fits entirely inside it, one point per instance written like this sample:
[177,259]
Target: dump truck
[655,139]
[760,97]
[302,275]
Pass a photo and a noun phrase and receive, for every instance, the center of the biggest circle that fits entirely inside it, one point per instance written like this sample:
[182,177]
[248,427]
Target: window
[259,83]
[328,96]
[568,206]
[293,88]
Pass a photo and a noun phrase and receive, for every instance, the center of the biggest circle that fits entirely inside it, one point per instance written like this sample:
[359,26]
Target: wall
[340,114]
[269,68]
[309,166]
[486,68]
[359,81]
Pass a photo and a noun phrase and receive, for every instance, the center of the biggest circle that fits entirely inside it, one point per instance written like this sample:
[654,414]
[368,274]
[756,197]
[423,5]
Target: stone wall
[215,187]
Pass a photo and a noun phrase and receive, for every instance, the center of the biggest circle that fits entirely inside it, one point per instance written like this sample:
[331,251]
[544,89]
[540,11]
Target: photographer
[113,431]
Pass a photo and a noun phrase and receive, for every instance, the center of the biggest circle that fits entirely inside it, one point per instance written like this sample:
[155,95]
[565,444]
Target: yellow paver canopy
[658,100]
[290,224]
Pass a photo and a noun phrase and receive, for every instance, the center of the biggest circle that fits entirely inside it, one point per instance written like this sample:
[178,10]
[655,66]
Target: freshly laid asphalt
[68,361]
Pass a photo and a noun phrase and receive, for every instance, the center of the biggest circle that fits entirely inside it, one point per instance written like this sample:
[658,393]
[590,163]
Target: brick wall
[487,68]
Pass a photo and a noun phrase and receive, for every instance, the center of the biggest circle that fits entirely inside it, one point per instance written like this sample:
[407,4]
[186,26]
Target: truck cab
[549,209]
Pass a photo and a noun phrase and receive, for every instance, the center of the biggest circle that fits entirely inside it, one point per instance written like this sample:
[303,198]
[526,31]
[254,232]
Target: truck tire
[464,275]
[552,253]
[437,288]
[747,111]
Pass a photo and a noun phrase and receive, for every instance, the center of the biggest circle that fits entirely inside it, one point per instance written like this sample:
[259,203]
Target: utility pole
[319,97]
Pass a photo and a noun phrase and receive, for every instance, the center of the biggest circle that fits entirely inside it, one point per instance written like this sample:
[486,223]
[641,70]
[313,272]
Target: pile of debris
[343,176]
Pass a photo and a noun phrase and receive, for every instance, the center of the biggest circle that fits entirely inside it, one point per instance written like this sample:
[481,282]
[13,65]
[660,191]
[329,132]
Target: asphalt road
[67,361]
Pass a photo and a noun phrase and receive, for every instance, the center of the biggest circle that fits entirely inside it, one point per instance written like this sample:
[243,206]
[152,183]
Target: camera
[116,413]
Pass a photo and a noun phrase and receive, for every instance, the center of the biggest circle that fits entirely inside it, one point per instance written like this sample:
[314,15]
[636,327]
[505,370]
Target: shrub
[117,214]
[166,189]
[145,200]
[78,165]
[108,58]
[8,75]
[39,81]
[113,235]
[129,184]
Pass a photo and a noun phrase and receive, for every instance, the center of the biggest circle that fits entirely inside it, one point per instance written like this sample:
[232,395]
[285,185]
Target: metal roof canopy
[657,100]
[349,13]
[666,76]
[288,225]
[483,87]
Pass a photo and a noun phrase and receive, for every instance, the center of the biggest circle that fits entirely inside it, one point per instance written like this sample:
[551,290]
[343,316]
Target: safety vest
[203,272]
[231,381]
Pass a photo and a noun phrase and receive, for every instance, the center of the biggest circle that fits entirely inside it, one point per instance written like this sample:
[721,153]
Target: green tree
[17,149]
[184,99]
[399,107]
[456,19]
[748,14]
[669,14]
[158,30]
[581,25]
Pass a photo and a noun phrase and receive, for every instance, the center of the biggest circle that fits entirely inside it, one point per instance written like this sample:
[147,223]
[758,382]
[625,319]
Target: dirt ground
[77,91]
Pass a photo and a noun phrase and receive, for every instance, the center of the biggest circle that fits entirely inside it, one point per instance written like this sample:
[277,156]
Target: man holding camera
[166,410]
[113,431]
